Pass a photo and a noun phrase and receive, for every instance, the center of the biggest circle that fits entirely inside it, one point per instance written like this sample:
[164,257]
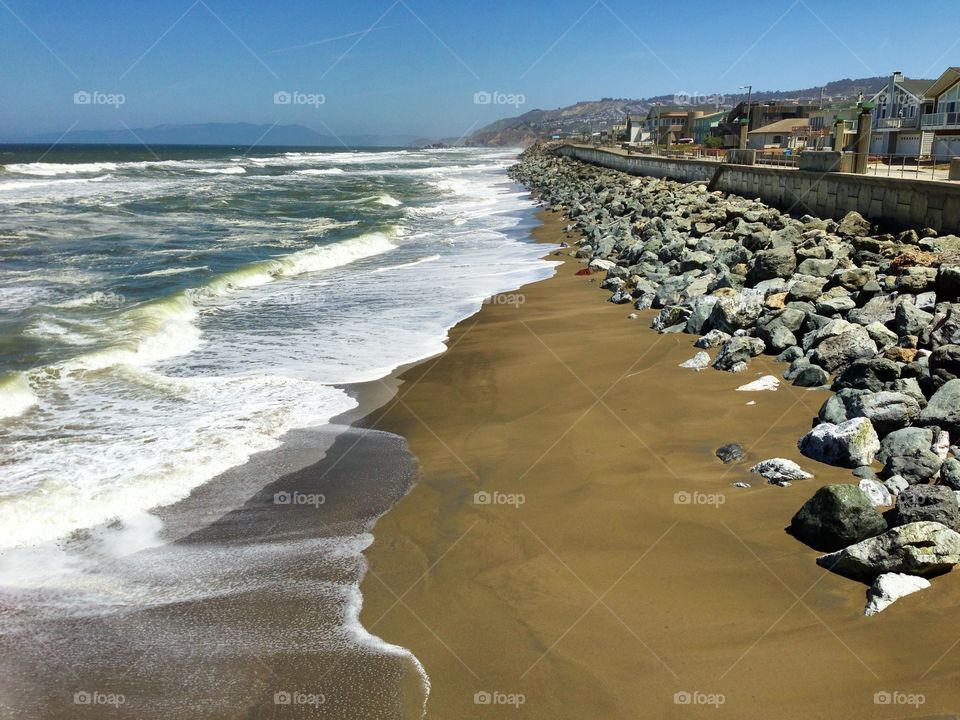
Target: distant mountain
[221,134]
[596,114]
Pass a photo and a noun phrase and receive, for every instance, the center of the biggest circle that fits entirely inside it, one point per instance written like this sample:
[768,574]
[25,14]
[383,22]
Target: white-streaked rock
[890,587]
[767,382]
[779,470]
[700,361]
[877,492]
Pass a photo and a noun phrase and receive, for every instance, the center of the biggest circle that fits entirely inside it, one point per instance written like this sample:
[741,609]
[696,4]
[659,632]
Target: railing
[777,158]
[896,123]
[931,120]
[908,166]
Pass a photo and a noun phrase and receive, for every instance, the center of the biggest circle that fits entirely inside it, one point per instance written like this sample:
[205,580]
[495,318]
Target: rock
[811,376]
[790,354]
[767,382]
[849,444]
[945,363]
[883,337]
[839,408]
[908,453]
[738,312]
[943,410]
[837,516]
[950,473]
[920,548]
[887,411]
[730,453]
[778,470]
[881,309]
[817,268]
[855,278]
[738,350]
[742,485]
[839,351]
[836,305]
[854,225]
[700,361]
[896,484]
[873,374]
[714,338]
[600,265]
[780,262]
[945,327]
[916,279]
[890,587]
[948,283]
[865,472]
[909,319]
[877,492]
[935,503]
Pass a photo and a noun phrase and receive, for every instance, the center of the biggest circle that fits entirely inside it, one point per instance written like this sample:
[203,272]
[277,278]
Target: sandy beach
[608,566]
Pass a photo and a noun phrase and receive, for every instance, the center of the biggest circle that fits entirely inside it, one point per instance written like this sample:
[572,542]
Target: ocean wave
[320,171]
[232,170]
[16,396]
[46,169]
[389,268]
[173,271]
[388,200]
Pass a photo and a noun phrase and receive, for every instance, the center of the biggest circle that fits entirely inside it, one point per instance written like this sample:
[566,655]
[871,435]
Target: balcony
[904,123]
[941,121]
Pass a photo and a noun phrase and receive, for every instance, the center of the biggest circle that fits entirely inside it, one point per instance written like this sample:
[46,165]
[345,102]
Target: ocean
[165,316]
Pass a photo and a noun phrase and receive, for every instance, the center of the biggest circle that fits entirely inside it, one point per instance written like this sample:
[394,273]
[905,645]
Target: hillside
[592,115]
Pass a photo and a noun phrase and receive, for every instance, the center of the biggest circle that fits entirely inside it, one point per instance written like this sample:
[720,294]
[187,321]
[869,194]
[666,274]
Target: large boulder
[908,319]
[840,350]
[920,548]
[854,225]
[950,473]
[837,516]
[850,444]
[943,410]
[935,503]
[909,453]
[778,471]
[887,411]
[945,363]
[738,312]
[778,262]
[738,350]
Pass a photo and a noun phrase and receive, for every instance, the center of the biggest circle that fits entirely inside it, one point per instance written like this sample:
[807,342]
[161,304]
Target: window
[778,139]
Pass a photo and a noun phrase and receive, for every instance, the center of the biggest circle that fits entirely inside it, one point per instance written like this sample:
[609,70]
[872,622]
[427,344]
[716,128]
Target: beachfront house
[788,134]
[705,126]
[635,127]
[823,123]
[896,126]
[667,124]
[941,127]
[759,114]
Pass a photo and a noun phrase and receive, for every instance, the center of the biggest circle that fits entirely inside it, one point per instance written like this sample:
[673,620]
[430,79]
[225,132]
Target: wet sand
[604,594]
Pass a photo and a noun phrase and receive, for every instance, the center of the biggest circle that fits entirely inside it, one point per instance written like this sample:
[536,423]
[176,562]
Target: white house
[896,118]
[942,126]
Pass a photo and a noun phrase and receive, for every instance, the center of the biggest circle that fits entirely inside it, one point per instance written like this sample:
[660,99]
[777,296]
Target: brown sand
[600,596]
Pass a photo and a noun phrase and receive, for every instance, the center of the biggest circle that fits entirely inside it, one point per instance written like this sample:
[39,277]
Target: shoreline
[715,600]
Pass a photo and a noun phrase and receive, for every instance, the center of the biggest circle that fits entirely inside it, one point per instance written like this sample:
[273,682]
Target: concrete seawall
[893,202]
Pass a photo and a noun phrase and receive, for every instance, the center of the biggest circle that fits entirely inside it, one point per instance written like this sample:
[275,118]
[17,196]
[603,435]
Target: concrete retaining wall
[893,202]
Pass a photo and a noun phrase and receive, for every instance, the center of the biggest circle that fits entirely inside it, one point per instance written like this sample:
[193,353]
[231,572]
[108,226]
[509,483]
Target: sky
[430,68]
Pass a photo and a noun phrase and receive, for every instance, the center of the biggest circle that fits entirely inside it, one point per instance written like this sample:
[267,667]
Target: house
[668,124]
[941,128]
[704,126]
[788,134]
[758,114]
[635,132]
[824,120]
[896,118]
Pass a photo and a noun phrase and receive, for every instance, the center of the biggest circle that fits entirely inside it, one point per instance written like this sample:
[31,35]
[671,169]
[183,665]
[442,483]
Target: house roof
[944,82]
[916,87]
[782,126]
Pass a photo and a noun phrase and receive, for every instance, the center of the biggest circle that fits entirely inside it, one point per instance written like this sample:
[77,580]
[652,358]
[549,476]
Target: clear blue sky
[417,69]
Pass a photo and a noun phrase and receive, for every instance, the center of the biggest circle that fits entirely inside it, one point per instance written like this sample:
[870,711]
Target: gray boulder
[738,350]
[909,319]
[841,350]
[935,503]
[887,411]
[730,453]
[943,410]
[779,262]
[837,516]
[811,376]
[920,548]
[950,473]
[945,363]
[849,444]
[778,471]
[854,225]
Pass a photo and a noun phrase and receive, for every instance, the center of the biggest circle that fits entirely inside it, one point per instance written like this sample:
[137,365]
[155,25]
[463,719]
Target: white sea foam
[320,171]
[388,200]
[173,271]
[48,169]
[16,396]
[389,268]
[232,170]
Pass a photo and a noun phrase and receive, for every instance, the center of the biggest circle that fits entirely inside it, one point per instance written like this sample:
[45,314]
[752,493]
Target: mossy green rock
[837,516]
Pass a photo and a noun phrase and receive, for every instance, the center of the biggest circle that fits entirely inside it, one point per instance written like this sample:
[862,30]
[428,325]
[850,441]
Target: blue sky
[413,66]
